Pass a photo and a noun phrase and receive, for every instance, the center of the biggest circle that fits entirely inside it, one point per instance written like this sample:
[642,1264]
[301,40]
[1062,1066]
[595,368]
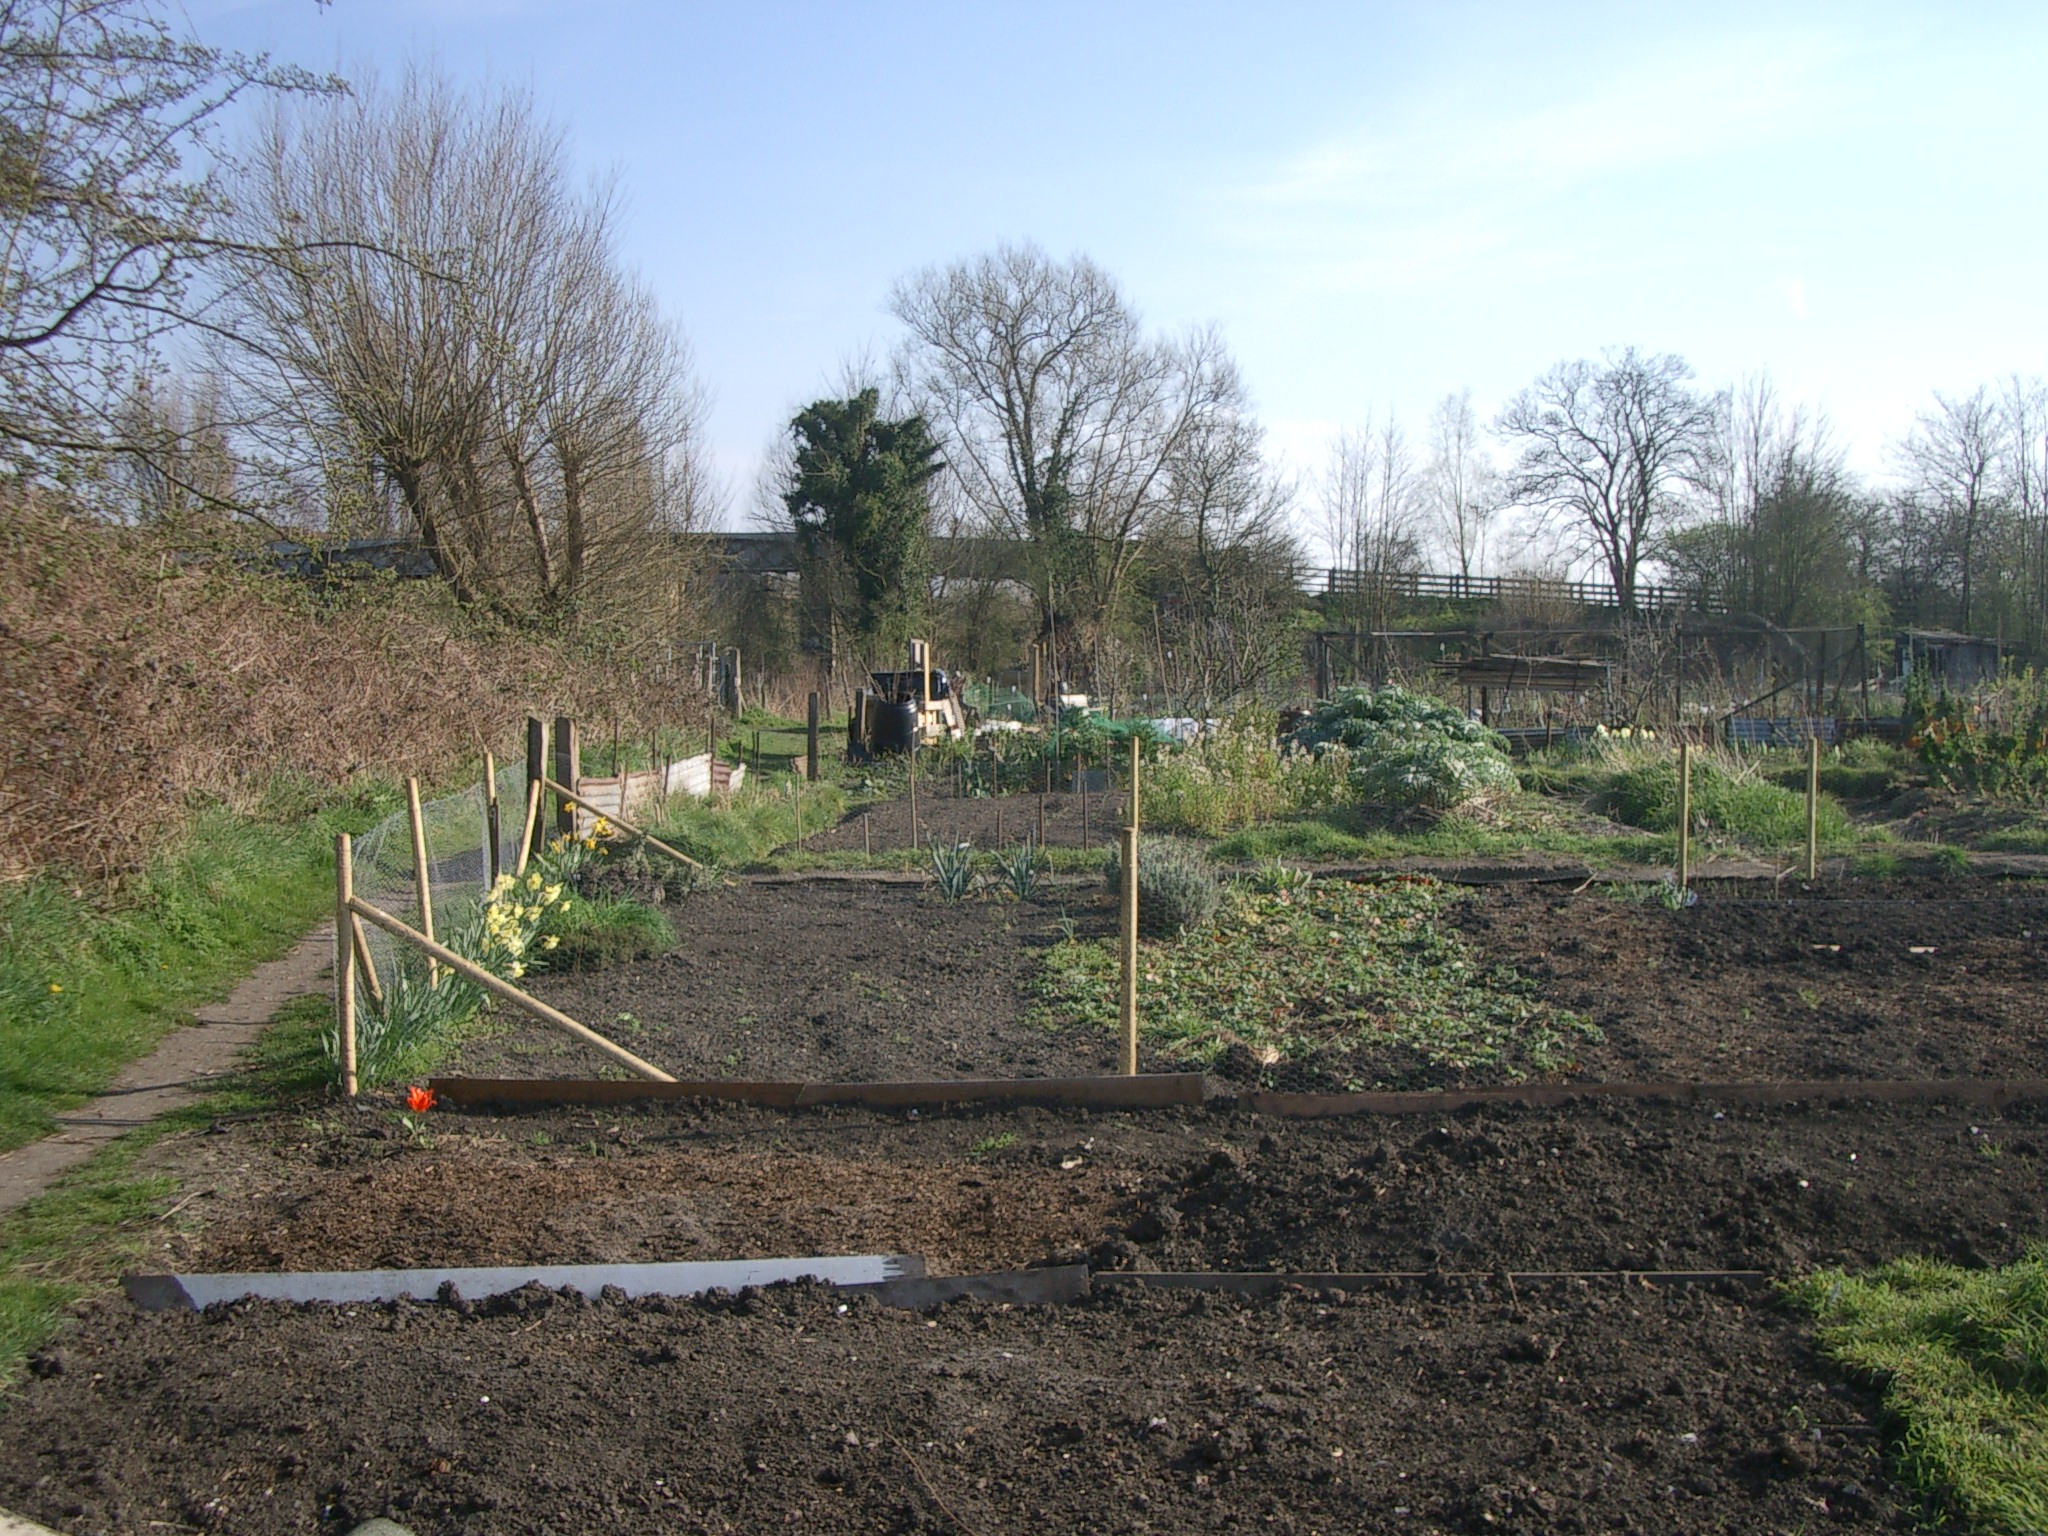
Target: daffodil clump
[514,922]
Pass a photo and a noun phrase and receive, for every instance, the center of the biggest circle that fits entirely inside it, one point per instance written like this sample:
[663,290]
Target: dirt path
[181,1069]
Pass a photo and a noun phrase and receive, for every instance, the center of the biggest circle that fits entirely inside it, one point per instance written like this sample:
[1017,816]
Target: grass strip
[85,988]
[1962,1359]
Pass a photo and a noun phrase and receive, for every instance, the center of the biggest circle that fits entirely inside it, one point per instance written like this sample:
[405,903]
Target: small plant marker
[1813,805]
[1684,815]
[419,873]
[344,961]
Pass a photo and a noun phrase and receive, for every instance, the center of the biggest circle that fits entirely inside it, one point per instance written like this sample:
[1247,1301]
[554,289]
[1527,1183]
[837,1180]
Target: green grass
[607,930]
[2015,840]
[1342,967]
[106,1216]
[1341,834]
[1749,811]
[760,819]
[86,988]
[1962,1359]
[1058,859]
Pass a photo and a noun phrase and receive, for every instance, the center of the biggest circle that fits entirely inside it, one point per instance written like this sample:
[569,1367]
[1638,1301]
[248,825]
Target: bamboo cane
[419,872]
[533,793]
[359,941]
[1129,947]
[506,992]
[1684,815]
[491,814]
[1813,805]
[571,798]
[344,963]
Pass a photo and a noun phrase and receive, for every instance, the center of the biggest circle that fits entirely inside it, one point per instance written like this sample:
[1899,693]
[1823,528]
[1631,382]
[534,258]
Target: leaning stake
[419,871]
[506,992]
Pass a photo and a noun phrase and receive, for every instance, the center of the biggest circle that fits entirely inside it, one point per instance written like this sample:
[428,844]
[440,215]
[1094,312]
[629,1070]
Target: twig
[926,1484]
[195,1195]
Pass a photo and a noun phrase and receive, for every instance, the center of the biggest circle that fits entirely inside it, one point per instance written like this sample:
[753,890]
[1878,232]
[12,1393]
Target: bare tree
[1371,505]
[1954,463]
[1463,485]
[523,398]
[104,110]
[1058,416]
[2024,491]
[1607,453]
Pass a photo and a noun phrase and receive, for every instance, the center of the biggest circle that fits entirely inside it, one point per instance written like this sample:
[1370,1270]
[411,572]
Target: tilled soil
[825,981]
[1591,1409]
[1592,1185]
[1922,980]
[840,980]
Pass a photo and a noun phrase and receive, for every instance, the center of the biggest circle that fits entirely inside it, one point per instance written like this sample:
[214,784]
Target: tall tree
[1371,498]
[522,396]
[1463,487]
[1059,416]
[1953,464]
[111,204]
[1607,453]
[858,499]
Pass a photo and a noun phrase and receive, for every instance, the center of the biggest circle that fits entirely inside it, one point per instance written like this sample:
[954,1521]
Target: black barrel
[895,725]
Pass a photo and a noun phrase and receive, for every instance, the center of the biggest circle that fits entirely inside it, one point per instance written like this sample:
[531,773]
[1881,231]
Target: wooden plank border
[1272,1283]
[1547,1095]
[1149,1091]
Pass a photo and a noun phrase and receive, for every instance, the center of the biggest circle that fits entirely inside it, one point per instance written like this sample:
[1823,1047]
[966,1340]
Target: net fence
[459,862]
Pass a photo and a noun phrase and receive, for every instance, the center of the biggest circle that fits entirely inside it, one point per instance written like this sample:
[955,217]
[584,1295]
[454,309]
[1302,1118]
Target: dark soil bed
[827,981]
[1456,1405]
[837,980]
[1898,980]
[1579,1410]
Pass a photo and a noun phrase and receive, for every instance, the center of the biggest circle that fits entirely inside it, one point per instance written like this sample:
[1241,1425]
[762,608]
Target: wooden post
[1813,805]
[1684,815]
[491,814]
[621,824]
[1084,799]
[811,742]
[419,871]
[796,798]
[344,963]
[867,835]
[360,942]
[1129,946]
[912,761]
[568,771]
[757,752]
[536,770]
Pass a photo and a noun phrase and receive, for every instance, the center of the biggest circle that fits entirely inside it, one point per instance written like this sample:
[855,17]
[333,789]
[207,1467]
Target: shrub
[1748,810]
[1407,752]
[1176,889]
[1995,743]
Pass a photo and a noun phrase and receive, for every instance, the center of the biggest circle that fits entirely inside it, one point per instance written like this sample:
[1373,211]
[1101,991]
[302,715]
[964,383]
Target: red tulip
[420,1100]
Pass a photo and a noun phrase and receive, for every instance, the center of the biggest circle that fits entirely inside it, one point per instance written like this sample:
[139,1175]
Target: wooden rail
[1427,586]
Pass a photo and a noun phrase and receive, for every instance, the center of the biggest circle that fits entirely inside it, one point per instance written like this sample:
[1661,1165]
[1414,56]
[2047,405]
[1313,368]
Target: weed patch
[1962,1358]
[1337,985]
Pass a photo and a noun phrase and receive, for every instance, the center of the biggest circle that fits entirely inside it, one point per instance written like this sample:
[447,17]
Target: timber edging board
[1163,1090]
[1547,1095]
[1148,1091]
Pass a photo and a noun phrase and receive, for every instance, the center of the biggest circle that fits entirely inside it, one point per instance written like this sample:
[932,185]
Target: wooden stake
[532,826]
[867,836]
[1684,815]
[360,942]
[913,791]
[419,871]
[1129,1001]
[344,963]
[1813,804]
[798,800]
[491,814]
[1084,799]
[1134,783]
[811,742]
[505,991]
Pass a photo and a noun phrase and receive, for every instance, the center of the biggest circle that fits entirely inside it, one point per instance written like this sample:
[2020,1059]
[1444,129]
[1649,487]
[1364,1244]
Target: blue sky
[1378,204]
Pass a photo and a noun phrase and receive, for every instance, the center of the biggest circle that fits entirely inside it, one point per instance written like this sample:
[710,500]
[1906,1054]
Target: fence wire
[458,862]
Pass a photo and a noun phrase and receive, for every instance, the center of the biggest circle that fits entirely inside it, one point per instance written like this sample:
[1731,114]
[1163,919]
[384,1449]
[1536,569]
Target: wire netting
[459,860]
